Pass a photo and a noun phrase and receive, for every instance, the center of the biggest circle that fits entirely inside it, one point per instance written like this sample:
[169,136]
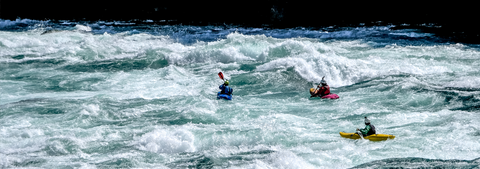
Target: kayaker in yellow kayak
[368,130]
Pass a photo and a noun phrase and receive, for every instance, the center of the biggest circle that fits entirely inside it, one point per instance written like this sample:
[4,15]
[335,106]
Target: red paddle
[220,74]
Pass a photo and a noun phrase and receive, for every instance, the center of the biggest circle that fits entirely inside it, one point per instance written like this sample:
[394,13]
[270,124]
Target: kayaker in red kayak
[322,91]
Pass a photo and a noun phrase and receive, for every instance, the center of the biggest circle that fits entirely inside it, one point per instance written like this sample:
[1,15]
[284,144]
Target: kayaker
[368,130]
[225,89]
[322,91]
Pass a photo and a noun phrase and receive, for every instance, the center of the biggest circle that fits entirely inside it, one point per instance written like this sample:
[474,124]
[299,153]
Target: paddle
[358,132]
[220,74]
[317,87]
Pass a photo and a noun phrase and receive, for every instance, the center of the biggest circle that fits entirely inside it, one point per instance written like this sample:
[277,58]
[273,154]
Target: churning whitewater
[132,95]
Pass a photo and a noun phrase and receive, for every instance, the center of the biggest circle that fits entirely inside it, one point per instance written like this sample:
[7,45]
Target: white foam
[314,68]
[300,65]
[19,139]
[280,160]
[77,46]
[6,161]
[310,64]
[167,141]
[83,28]
[235,48]
[471,82]
[311,59]
[167,82]
[224,55]
[342,65]
[91,109]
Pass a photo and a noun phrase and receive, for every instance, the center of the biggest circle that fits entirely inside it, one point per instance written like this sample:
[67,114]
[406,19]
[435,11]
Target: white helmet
[323,82]
[367,121]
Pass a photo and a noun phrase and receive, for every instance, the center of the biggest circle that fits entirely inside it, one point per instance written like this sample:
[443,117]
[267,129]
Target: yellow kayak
[373,137]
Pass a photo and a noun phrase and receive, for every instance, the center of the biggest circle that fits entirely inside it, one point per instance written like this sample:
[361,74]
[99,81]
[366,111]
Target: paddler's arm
[319,91]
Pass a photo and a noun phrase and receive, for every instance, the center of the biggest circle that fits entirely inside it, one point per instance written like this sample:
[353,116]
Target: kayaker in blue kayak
[225,89]
[368,130]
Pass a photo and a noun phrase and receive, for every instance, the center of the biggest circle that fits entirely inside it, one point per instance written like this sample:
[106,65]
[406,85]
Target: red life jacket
[324,90]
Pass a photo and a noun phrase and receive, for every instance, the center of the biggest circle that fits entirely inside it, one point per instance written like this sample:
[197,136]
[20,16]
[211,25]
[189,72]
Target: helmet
[323,82]
[312,89]
[367,121]
[226,82]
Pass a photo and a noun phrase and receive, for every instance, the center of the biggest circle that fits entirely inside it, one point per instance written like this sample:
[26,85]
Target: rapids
[115,94]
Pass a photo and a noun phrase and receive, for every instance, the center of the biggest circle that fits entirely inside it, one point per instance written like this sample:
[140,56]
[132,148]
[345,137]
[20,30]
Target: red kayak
[330,96]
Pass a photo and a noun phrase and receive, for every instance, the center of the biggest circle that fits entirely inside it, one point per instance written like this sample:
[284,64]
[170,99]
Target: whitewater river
[129,95]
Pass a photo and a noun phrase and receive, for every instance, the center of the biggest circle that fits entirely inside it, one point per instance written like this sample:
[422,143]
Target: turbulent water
[140,95]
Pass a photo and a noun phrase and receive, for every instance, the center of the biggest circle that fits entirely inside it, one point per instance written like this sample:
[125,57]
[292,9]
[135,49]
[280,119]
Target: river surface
[140,95]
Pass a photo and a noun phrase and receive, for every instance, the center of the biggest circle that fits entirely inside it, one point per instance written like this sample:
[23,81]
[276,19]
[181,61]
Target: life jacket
[226,90]
[372,130]
[324,90]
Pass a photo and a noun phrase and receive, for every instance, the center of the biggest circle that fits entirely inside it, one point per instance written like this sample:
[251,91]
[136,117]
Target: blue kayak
[224,96]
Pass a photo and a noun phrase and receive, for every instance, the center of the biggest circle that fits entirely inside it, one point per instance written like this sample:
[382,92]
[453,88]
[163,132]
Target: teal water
[105,96]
